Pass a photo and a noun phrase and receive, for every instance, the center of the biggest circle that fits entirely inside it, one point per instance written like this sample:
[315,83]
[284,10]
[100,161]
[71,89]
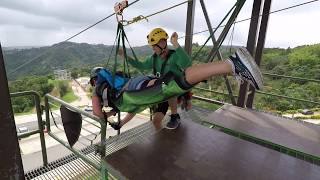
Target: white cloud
[45,22]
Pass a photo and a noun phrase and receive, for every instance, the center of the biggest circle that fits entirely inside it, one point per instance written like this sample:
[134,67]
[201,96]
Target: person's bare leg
[157,120]
[198,73]
[173,105]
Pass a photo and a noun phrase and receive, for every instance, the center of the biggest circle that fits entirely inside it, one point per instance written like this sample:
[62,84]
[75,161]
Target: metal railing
[36,99]
[103,126]
[286,150]
[267,93]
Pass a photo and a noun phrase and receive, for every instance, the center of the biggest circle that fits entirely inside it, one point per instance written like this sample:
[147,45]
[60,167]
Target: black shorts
[161,107]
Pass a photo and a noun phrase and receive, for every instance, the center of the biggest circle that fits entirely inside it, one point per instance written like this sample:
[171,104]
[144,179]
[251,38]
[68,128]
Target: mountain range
[66,55]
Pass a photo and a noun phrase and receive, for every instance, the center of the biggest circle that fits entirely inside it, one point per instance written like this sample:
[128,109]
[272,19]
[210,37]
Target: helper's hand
[174,40]
[113,112]
[116,125]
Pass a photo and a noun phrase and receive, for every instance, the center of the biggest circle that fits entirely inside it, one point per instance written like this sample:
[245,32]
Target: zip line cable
[45,52]
[140,17]
[276,11]
[50,48]
[89,27]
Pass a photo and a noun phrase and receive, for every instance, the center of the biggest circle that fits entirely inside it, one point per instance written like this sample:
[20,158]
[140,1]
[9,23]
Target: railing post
[189,27]
[205,13]
[260,45]
[40,125]
[251,45]
[11,163]
[46,105]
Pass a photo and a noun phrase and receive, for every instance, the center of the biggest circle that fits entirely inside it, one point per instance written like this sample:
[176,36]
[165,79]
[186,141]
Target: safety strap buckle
[118,9]
[158,75]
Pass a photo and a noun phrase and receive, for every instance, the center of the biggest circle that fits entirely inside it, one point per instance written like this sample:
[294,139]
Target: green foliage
[38,84]
[69,55]
[63,87]
[309,117]
[69,97]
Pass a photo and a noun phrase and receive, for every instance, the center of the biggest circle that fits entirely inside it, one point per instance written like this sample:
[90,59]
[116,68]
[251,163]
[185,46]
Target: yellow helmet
[156,35]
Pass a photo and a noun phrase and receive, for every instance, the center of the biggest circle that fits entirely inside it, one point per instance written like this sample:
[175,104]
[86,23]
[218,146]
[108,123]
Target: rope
[134,20]
[141,17]
[224,18]
[231,38]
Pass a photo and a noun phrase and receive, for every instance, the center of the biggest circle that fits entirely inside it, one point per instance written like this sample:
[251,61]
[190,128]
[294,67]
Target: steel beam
[11,164]
[251,45]
[260,44]
[189,27]
[205,13]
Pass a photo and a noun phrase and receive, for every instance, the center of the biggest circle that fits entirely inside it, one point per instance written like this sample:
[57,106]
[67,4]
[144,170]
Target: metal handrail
[265,93]
[272,94]
[36,98]
[292,77]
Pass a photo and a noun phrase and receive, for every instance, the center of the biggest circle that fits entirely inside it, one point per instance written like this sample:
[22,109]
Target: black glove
[115,125]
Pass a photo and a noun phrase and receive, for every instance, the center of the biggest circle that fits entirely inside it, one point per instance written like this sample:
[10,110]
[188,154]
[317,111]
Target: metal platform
[72,167]
[197,152]
[301,137]
[68,167]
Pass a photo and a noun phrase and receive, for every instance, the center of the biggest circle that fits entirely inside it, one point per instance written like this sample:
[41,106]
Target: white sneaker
[246,68]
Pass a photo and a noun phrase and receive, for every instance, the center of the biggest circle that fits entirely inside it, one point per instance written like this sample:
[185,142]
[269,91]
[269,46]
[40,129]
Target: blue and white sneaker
[246,69]
[174,122]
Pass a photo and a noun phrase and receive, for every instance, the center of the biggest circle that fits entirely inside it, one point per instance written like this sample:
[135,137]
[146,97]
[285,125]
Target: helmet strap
[162,49]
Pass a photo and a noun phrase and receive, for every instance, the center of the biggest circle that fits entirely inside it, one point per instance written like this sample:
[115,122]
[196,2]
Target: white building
[62,74]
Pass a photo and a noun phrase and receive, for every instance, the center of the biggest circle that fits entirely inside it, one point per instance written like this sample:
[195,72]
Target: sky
[47,22]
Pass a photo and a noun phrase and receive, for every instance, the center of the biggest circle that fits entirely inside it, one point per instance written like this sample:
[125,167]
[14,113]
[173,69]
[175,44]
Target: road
[31,146]
[81,93]
[30,121]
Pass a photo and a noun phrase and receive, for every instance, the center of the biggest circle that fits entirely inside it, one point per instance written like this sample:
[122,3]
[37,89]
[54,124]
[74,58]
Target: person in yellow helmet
[162,61]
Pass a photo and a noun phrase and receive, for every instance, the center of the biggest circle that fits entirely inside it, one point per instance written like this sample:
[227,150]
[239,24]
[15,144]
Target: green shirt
[177,62]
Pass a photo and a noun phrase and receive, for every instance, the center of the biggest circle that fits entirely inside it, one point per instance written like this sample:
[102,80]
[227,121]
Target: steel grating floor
[72,167]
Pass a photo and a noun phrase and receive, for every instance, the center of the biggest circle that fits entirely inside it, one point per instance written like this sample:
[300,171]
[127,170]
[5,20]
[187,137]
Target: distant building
[62,74]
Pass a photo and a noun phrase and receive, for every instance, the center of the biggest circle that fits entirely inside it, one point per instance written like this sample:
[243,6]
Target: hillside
[65,55]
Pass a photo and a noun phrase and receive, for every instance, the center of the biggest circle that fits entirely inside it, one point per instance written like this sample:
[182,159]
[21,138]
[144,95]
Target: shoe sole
[173,128]
[246,58]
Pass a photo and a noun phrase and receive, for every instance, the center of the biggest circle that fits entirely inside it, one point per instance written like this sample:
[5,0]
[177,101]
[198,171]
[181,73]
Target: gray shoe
[174,122]
[246,68]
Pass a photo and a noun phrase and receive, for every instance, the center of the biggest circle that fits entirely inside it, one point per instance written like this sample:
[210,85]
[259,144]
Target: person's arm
[119,124]
[183,60]
[97,107]
[127,118]
[141,65]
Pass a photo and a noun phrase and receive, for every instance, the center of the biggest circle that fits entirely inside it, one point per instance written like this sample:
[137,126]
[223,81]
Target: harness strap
[163,64]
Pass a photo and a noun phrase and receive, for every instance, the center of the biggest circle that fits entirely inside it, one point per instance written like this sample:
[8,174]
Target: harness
[160,74]
[113,83]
